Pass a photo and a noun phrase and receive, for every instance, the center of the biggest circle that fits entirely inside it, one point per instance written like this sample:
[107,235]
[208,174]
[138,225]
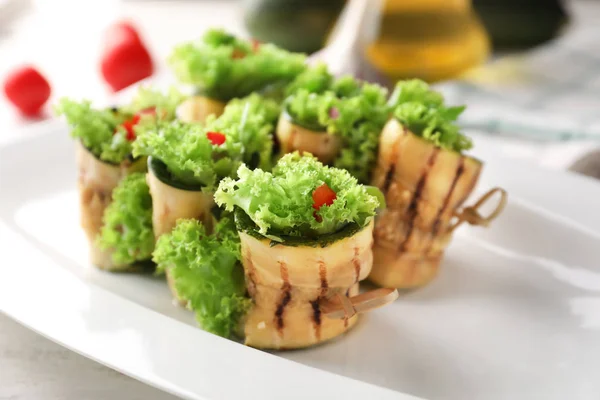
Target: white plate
[515,313]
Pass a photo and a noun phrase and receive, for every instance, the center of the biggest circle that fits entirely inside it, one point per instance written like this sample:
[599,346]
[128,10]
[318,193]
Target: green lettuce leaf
[280,203]
[433,124]
[184,148]
[127,229]
[354,110]
[223,66]
[97,129]
[248,125]
[423,111]
[415,90]
[164,102]
[207,272]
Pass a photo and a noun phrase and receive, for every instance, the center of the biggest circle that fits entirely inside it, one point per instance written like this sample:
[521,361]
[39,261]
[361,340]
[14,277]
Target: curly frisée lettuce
[163,102]
[281,203]
[224,67]
[189,156]
[207,272]
[354,110]
[127,229]
[98,129]
[422,111]
[248,125]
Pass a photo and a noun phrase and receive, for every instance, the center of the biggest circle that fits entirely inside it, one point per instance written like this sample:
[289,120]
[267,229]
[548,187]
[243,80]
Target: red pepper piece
[27,90]
[255,45]
[125,60]
[323,196]
[216,138]
[129,127]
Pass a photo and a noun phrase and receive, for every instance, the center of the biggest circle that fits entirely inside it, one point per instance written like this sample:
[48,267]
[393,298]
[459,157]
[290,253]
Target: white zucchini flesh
[199,108]
[169,204]
[292,137]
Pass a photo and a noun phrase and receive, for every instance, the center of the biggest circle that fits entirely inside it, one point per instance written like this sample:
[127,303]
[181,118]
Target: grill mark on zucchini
[437,221]
[251,274]
[412,210]
[286,296]
[323,276]
[356,263]
[389,175]
[316,317]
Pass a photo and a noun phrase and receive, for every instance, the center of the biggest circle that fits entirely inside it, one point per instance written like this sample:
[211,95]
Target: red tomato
[126,28]
[323,196]
[216,138]
[27,89]
[125,60]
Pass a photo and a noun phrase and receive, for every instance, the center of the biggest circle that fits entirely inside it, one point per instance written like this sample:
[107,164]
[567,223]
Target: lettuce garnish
[192,159]
[163,102]
[423,112]
[248,125]
[354,110]
[127,229]
[207,272]
[224,66]
[97,129]
[281,204]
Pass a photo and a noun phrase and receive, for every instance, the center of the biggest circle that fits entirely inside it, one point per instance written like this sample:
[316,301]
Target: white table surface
[66,48]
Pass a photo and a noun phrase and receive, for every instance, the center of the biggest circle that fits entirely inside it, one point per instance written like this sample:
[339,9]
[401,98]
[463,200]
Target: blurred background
[529,70]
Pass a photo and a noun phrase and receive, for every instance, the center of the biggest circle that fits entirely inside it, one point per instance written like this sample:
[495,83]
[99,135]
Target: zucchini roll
[336,120]
[221,67]
[426,178]
[306,236]
[186,161]
[104,153]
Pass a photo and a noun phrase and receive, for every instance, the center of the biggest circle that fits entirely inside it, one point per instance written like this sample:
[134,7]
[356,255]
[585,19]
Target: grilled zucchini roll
[104,153]
[221,67]
[426,178]
[306,236]
[186,161]
[336,120]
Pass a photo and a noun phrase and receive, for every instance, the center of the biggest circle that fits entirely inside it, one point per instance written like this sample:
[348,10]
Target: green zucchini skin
[245,224]
[160,170]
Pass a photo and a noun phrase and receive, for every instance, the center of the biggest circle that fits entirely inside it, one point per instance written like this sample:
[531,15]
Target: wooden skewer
[341,307]
[473,217]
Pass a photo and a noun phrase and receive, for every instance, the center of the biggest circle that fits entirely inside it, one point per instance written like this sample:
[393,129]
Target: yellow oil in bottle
[428,39]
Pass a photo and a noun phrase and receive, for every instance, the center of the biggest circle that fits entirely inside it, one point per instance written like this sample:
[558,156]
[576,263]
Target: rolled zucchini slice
[288,284]
[199,108]
[96,181]
[424,186]
[173,201]
[293,137]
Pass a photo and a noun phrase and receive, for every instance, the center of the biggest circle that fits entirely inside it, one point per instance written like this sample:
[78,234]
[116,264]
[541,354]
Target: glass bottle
[428,39]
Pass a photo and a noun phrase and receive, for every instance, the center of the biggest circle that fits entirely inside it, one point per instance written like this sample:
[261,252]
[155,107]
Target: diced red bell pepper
[216,138]
[323,196]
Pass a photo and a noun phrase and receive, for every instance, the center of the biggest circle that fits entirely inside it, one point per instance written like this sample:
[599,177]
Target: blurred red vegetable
[125,59]
[27,89]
